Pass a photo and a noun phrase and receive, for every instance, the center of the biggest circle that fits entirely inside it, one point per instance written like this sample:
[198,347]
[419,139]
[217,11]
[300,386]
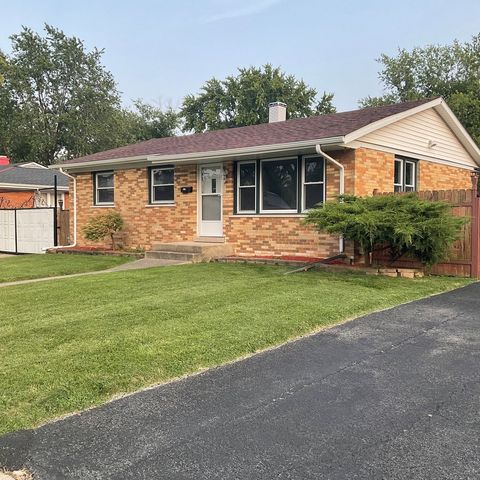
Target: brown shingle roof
[300,129]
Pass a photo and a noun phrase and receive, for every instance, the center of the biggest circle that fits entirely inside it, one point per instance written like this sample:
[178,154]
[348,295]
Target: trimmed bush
[102,226]
[404,224]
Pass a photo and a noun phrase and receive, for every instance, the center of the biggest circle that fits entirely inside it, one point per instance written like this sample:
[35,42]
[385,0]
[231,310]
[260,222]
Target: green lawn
[24,267]
[69,344]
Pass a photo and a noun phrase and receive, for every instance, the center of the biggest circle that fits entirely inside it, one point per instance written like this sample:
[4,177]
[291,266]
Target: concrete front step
[190,251]
[210,239]
[179,256]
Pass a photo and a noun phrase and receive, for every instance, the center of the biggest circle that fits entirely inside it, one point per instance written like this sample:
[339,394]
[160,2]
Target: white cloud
[252,9]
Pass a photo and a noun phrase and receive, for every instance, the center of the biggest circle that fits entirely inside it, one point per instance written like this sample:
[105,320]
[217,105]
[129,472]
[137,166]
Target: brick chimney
[4,160]
[277,112]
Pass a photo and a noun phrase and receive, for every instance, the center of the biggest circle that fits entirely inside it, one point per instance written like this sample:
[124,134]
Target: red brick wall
[145,225]
[21,199]
[375,169]
[433,176]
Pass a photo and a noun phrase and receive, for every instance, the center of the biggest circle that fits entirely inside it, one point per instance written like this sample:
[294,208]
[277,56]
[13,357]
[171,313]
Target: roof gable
[430,130]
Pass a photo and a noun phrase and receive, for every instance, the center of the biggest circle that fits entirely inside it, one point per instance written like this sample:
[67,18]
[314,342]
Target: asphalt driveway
[393,395]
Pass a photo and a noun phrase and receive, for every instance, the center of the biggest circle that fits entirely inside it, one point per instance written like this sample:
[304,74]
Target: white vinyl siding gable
[413,135]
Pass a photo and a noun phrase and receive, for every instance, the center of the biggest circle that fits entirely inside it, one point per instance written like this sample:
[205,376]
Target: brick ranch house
[250,186]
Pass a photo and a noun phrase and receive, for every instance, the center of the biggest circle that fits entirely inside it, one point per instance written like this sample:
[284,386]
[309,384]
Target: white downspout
[341,168]
[74,213]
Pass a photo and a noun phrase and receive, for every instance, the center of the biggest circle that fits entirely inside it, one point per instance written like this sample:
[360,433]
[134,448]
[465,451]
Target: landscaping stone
[388,272]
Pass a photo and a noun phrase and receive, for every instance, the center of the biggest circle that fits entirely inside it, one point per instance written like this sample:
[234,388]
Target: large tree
[243,99]
[58,101]
[451,71]
[147,121]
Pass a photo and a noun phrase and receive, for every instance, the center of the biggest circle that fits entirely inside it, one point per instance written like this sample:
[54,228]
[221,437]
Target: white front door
[210,200]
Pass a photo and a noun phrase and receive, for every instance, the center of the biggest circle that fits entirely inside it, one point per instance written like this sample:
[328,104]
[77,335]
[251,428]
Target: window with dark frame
[104,188]
[279,185]
[313,182]
[247,187]
[283,185]
[405,175]
[162,185]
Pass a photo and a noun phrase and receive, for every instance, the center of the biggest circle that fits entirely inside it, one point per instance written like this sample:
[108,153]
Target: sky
[162,50]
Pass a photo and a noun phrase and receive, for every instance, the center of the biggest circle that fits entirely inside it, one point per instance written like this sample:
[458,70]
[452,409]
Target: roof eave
[213,155]
[27,186]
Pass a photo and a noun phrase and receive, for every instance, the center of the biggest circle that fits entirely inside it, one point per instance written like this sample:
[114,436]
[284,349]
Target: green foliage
[58,101]
[451,71]
[149,121]
[406,224]
[102,226]
[243,99]
[58,97]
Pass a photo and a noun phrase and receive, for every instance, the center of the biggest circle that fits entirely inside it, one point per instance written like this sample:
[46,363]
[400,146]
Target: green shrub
[404,224]
[102,226]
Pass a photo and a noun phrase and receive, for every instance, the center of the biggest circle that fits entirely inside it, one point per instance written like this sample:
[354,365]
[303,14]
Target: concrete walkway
[393,395]
[135,265]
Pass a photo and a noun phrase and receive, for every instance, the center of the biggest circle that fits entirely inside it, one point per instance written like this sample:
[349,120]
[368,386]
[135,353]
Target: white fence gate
[28,230]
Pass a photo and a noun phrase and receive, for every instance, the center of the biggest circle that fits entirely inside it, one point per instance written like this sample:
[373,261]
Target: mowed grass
[25,267]
[69,344]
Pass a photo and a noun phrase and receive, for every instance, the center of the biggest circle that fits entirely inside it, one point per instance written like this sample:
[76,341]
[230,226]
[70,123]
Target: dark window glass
[162,177]
[408,174]
[162,185]
[105,179]
[247,187]
[313,170]
[279,185]
[247,199]
[163,193]
[398,172]
[105,195]
[247,174]
[313,194]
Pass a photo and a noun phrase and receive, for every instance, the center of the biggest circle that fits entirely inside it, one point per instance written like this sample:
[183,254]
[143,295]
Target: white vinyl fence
[29,230]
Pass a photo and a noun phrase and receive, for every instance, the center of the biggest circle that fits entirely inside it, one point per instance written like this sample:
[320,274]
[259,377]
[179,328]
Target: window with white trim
[162,185]
[247,187]
[279,185]
[405,175]
[313,182]
[104,188]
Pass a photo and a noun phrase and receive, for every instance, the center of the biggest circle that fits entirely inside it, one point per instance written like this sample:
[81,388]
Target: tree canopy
[243,99]
[58,101]
[451,71]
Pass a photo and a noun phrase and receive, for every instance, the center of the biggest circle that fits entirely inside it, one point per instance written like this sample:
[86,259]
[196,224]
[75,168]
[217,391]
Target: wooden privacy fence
[63,227]
[464,257]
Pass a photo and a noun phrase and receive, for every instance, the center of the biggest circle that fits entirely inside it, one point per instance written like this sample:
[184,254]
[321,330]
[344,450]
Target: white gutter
[74,244]
[26,186]
[341,168]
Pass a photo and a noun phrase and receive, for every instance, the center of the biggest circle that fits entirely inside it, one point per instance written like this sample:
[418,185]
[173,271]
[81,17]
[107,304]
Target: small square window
[247,187]
[404,177]
[104,188]
[162,185]
[313,182]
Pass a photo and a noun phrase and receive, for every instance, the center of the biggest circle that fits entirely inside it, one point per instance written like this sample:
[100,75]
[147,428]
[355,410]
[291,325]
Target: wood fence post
[475,226]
